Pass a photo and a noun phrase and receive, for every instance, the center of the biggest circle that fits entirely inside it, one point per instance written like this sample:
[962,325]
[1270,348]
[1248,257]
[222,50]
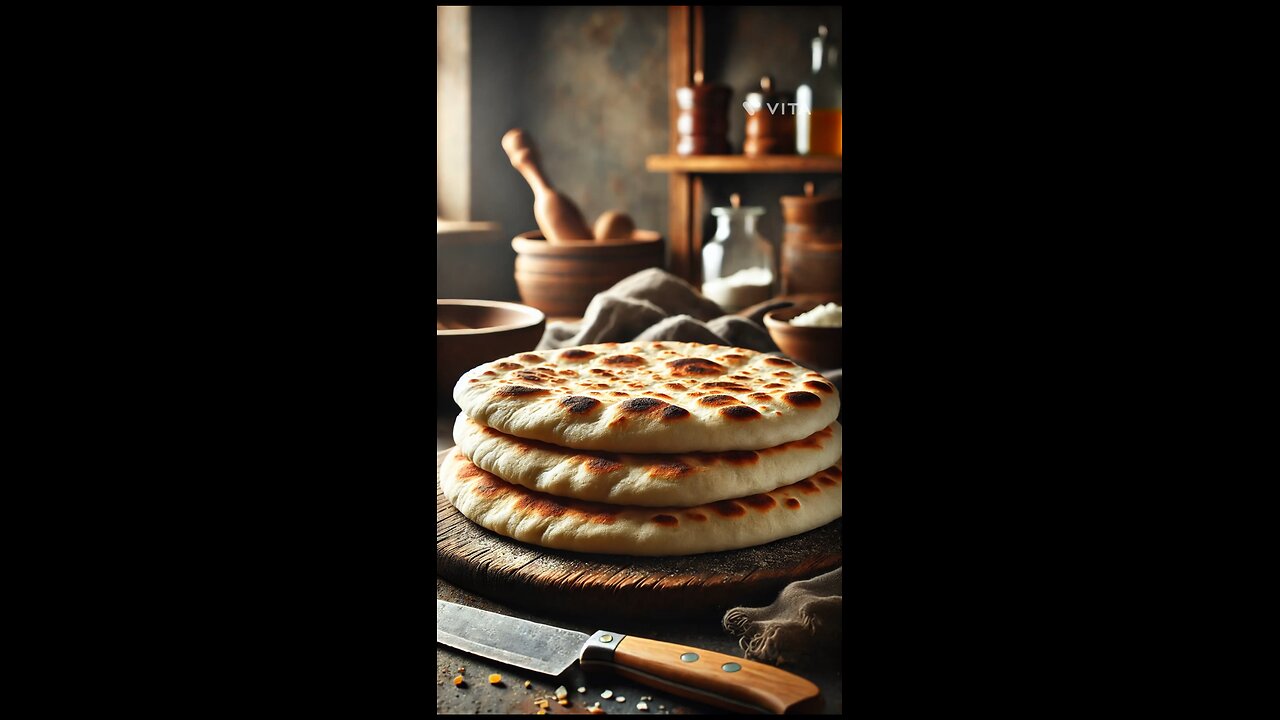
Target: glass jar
[737,265]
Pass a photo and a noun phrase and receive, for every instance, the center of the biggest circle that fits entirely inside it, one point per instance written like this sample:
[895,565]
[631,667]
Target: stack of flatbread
[654,448]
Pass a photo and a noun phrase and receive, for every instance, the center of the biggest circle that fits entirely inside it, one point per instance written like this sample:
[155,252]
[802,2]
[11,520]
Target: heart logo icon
[751,109]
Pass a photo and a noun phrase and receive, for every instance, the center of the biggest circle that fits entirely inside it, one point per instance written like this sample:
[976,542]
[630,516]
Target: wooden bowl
[819,346]
[473,332]
[561,278]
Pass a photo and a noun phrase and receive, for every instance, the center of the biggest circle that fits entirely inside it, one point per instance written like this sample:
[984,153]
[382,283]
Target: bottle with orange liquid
[819,127]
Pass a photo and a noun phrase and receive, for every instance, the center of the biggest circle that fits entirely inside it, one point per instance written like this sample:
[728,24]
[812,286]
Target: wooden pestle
[557,217]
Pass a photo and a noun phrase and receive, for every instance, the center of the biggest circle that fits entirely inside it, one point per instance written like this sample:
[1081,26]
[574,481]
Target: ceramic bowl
[818,346]
[473,332]
[560,279]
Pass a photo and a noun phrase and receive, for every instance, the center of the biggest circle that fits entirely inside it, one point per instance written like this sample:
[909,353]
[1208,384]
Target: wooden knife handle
[702,675]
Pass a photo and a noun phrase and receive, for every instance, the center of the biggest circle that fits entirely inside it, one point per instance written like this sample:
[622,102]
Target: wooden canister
[561,279]
[771,122]
[702,123]
[812,245]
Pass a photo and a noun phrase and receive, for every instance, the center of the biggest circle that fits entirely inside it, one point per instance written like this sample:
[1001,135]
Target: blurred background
[593,88]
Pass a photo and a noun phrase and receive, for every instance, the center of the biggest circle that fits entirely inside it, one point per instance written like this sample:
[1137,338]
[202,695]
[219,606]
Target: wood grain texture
[612,587]
[755,684]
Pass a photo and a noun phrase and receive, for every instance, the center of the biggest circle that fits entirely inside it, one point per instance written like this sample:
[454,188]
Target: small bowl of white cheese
[808,333]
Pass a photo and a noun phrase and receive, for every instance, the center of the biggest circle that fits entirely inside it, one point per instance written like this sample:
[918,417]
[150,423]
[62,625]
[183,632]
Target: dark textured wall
[590,85]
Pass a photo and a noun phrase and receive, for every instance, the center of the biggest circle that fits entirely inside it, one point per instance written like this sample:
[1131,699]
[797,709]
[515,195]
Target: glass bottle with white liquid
[737,265]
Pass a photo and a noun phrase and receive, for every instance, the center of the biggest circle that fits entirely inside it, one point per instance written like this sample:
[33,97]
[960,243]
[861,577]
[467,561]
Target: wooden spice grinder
[812,243]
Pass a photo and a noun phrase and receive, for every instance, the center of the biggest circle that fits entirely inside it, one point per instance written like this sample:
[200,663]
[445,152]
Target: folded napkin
[806,616]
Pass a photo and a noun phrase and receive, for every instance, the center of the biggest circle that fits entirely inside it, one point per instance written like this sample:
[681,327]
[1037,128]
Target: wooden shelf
[744,164]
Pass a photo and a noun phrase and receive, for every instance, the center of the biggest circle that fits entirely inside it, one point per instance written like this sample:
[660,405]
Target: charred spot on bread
[666,520]
[734,386]
[577,354]
[728,508]
[696,516]
[530,377]
[793,503]
[760,501]
[807,487]
[741,457]
[819,386]
[779,362]
[695,366]
[626,360]
[740,412]
[579,404]
[802,399]
[717,400]
[601,464]
[670,469]
[640,404]
[530,357]
[519,391]
[483,486]
[674,412]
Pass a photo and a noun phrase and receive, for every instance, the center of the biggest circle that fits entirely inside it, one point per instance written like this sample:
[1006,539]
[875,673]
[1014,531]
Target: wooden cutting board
[583,585]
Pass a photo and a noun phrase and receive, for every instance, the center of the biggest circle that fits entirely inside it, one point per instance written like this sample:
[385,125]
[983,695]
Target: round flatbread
[650,480]
[656,397]
[549,521]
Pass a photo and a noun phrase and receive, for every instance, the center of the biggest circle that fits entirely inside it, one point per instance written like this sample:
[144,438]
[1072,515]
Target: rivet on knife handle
[600,648]
[714,678]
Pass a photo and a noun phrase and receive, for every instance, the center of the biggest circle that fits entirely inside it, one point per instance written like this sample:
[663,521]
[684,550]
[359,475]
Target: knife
[714,678]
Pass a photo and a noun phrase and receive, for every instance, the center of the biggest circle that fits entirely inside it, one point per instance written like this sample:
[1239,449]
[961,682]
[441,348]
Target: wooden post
[684,55]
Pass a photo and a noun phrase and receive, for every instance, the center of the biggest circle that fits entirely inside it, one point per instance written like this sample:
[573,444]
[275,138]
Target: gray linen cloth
[805,616]
[653,304]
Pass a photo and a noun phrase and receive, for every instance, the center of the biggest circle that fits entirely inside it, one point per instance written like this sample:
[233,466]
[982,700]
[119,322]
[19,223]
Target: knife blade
[714,678]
